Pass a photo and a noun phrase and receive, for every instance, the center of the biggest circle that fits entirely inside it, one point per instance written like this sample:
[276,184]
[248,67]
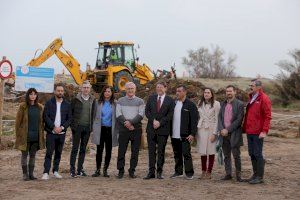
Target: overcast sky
[259,32]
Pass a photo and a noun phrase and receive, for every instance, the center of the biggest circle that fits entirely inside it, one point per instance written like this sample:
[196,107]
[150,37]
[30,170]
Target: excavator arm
[66,58]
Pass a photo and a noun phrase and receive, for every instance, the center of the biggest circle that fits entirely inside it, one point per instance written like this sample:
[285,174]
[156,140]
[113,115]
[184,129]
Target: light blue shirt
[106,114]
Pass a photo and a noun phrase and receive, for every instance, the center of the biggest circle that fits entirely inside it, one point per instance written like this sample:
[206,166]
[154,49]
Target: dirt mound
[194,90]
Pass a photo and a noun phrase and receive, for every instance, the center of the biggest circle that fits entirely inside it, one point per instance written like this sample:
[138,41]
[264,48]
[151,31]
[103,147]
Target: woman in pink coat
[207,131]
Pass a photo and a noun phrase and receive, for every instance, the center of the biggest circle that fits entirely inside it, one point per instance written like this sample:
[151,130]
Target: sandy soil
[282,178]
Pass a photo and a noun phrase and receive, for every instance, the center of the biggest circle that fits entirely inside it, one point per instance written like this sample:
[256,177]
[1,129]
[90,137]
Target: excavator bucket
[144,73]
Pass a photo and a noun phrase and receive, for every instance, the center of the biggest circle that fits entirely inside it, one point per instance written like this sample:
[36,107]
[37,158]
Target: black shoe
[120,175]
[73,174]
[31,169]
[105,174]
[239,179]
[260,172]
[25,173]
[149,176]
[81,173]
[226,178]
[132,175]
[257,180]
[26,177]
[251,178]
[159,175]
[176,175]
[32,177]
[97,173]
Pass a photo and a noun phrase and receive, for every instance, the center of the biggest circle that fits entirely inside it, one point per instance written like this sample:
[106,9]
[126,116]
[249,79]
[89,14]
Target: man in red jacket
[257,125]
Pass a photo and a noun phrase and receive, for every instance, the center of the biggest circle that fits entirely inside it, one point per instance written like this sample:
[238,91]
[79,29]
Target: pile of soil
[194,90]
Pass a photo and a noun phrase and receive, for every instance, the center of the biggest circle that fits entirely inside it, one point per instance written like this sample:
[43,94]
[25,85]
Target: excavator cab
[115,54]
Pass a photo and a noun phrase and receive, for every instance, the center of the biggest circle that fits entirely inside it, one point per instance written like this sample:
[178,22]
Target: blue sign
[40,78]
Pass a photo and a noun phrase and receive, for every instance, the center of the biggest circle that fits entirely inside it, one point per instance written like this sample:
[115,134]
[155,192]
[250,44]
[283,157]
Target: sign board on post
[42,79]
[5,69]
[5,72]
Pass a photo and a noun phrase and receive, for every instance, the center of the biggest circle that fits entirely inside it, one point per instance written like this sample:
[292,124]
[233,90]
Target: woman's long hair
[102,98]
[212,99]
[27,99]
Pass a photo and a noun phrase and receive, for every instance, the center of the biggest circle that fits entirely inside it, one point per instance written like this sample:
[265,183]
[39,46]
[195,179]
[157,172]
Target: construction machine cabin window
[110,55]
[116,55]
[129,57]
[100,58]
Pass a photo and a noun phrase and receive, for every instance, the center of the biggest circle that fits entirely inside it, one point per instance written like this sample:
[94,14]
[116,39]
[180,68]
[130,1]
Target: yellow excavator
[116,64]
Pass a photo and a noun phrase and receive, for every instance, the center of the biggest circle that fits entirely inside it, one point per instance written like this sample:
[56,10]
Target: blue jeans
[255,147]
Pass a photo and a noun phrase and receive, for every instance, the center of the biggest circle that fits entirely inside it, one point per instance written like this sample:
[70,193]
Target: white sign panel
[5,69]
[42,79]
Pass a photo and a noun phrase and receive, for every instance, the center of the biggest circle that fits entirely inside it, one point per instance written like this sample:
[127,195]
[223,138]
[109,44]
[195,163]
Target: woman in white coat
[207,131]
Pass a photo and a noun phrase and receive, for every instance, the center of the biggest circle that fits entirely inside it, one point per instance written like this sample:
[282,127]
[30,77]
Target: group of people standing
[112,123]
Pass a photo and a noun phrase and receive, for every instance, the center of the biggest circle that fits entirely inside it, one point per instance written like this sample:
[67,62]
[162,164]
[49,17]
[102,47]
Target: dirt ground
[282,178]
[282,173]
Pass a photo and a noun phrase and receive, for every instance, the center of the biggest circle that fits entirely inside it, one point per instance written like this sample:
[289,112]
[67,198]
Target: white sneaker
[189,177]
[57,175]
[45,176]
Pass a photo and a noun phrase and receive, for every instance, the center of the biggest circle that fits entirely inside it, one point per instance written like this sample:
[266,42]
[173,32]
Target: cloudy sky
[259,32]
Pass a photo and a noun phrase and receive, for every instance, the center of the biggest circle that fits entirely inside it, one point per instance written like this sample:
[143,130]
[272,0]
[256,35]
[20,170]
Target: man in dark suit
[159,111]
[230,129]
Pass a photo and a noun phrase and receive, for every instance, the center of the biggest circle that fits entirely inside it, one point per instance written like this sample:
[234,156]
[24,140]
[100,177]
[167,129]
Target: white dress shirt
[57,121]
[177,120]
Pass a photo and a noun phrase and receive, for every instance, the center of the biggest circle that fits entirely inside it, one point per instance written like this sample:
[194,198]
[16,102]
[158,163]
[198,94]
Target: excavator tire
[120,79]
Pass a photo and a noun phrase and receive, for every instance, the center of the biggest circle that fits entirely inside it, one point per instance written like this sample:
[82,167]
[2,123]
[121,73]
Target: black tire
[120,79]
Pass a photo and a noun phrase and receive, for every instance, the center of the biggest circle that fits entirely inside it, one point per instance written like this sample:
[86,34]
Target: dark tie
[158,104]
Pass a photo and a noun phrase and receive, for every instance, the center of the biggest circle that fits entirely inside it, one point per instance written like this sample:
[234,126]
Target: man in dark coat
[82,119]
[184,129]
[159,111]
[230,129]
[57,117]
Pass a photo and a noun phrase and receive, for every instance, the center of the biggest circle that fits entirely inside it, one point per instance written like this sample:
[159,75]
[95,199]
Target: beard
[59,96]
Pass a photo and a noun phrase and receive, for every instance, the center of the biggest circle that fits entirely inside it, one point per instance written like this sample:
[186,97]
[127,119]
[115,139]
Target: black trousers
[182,152]
[135,138]
[255,147]
[54,143]
[105,139]
[156,142]
[80,138]
[227,150]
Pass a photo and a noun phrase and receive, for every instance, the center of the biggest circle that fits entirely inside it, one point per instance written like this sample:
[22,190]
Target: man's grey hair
[130,83]
[257,82]
[86,82]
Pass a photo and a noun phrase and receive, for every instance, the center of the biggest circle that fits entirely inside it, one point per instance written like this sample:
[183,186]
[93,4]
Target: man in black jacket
[185,120]
[159,111]
[57,117]
[82,119]
[230,129]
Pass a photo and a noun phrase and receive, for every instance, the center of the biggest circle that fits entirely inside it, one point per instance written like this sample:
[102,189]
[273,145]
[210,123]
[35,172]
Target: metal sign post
[5,72]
